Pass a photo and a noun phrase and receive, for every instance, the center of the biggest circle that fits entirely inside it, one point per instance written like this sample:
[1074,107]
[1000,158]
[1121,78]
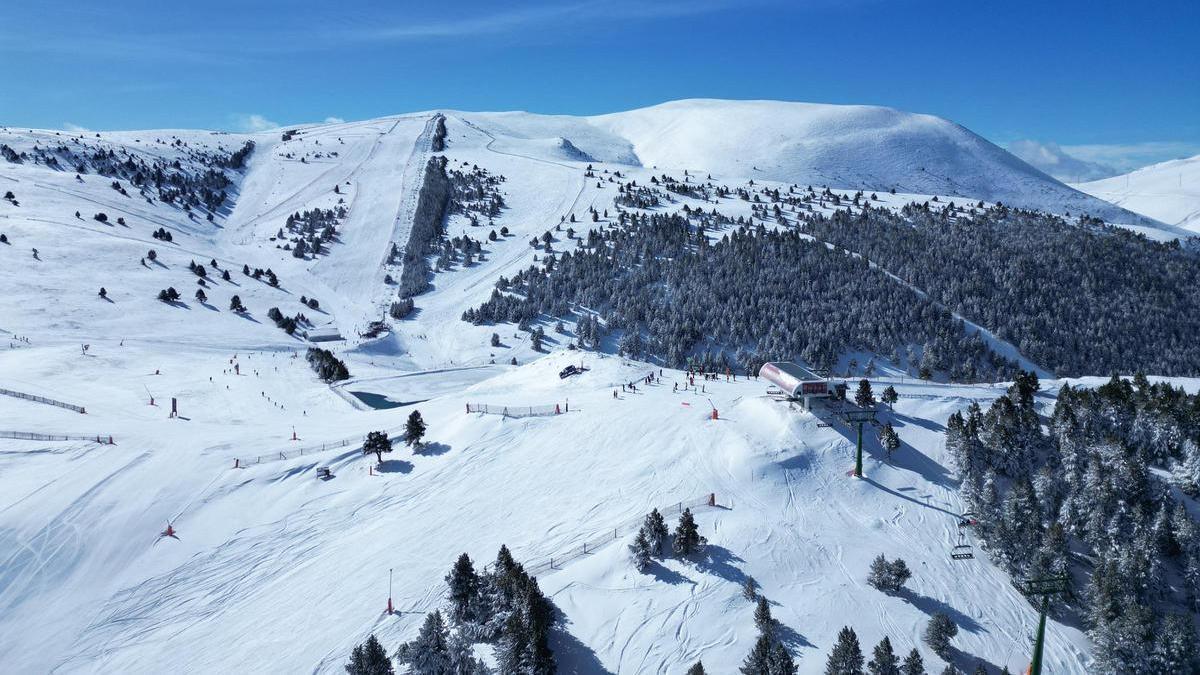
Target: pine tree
[429,654]
[863,398]
[938,633]
[369,658]
[762,617]
[883,660]
[889,396]
[656,530]
[758,661]
[697,669]
[846,657]
[781,662]
[687,536]
[641,550]
[378,443]
[414,428]
[1186,472]
[913,664]
[750,588]
[464,589]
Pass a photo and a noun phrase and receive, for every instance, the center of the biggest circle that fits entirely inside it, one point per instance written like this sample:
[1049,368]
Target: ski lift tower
[857,417]
[1045,587]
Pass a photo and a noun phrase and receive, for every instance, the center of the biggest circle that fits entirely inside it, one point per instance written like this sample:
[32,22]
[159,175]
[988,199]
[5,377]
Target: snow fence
[541,568]
[517,410]
[42,399]
[103,439]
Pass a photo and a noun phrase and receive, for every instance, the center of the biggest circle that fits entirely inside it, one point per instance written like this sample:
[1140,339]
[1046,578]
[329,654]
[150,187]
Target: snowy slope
[277,571]
[860,147]
[1168,192]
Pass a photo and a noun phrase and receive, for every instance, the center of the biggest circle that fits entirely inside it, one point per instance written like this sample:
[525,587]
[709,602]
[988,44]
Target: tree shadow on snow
[571,655]
[432,449]
[666,574]
[720,561]
[394,466]
[917,421]
[791,639]
[932,606]
[966,662]
[909,458]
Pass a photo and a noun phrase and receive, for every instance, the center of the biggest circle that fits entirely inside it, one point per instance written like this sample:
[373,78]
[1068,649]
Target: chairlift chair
[962,550]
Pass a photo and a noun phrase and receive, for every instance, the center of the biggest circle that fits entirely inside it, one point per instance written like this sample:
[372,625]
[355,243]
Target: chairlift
[962,550]
[967,520]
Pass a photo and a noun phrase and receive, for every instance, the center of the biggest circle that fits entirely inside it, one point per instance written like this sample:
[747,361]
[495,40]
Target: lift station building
[795,381]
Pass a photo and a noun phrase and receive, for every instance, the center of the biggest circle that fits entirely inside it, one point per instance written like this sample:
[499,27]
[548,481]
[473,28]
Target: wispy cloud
[1079,163]
[74,128]
[1129,156]
[334,120]
[1052,159]
[252,123]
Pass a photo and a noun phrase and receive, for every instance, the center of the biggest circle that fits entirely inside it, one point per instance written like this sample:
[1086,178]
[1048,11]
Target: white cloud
[253,123]
[1126,157]
[334,120]
[75,128]
[1052,159]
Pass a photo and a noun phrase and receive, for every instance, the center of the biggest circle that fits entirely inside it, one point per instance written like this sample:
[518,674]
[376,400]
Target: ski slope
[276,570]
[1168,192]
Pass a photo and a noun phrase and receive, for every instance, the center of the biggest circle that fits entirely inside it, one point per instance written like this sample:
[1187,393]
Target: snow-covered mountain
[275,570]
[1168,192]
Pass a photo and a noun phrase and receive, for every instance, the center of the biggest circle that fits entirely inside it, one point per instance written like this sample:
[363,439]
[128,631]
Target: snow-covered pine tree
[863,397]
[377,442]
[369,658]
[846,657]
[429,653]
[640,550]
[883,659]
[656,530]
[414,428]
[687,535]
[758,661]
[762,617]
[697,669]
[913,664]
[938,633]
[464,590]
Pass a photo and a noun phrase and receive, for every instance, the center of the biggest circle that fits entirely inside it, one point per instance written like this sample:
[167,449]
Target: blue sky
[1110,83]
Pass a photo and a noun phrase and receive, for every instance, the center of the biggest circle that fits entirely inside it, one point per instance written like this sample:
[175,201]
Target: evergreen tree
[863,398]
[369,658]
[846,657]
[687,536]
[883,660]
[641,550]
[762,617]
[378,443]
[656,530]
[758,661]
[781,662]
[464,590]
[429,653]
[938,633]
[889,396]
[913,664]
[697,669]
[414,428]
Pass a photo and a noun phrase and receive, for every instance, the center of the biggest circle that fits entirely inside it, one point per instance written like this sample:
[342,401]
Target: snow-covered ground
[1168,192]
[276,570]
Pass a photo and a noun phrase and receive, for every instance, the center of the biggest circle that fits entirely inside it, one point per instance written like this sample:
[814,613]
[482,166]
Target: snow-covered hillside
[1168,192]
[844,146]
[275,570]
